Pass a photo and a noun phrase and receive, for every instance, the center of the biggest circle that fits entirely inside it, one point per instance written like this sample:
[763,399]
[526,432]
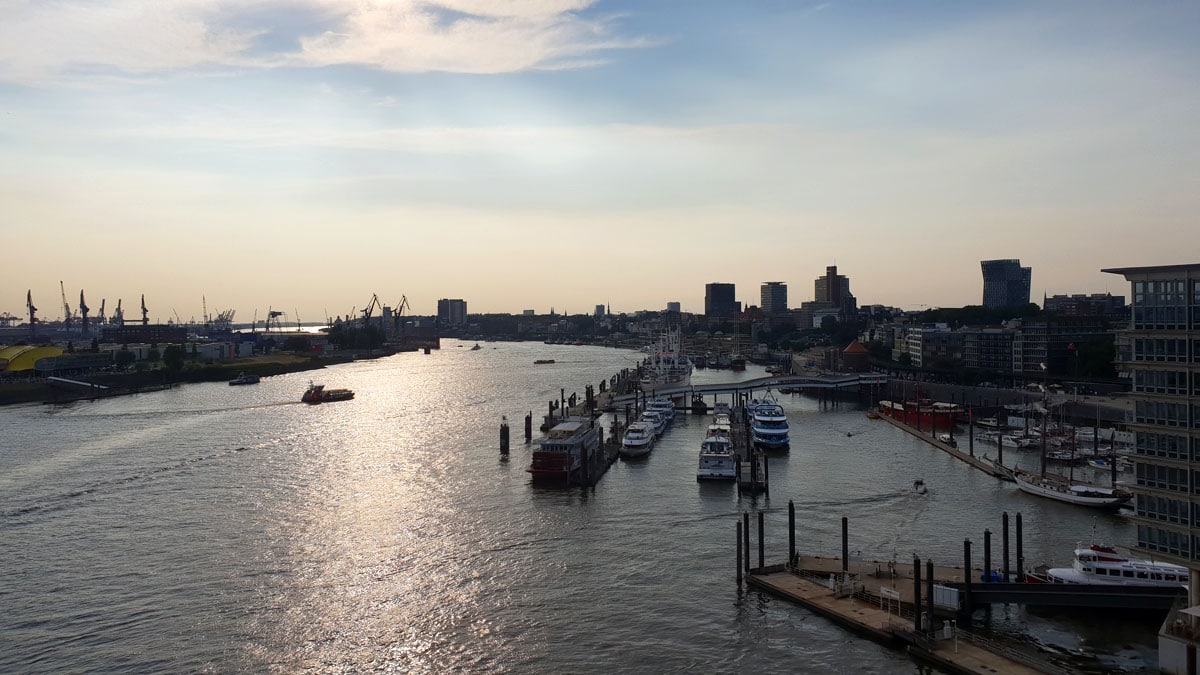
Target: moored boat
[768,425]
[717,461]
[243,378]
[1074,492]
[317,393]
[638,440]
[666,365]
[567,453]
[1103,565]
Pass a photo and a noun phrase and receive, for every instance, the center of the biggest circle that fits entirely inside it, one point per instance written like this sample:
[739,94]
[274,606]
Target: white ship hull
[1072,493]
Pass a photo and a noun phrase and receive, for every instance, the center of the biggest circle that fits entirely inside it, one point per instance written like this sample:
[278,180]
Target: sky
[305,155]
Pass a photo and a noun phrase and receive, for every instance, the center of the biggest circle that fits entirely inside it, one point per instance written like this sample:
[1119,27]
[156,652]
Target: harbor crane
[66,307]
[32,311]
[83,312]
[100,318]
[398,317]
[371,306]
[145,312]
[118,316]
[273,317]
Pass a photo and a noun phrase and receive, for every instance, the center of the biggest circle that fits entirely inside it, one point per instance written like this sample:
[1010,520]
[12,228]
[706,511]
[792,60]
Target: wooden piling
[504,436]
[845,544]
[746,539]
[987,556]
[791,531]
[1005,546]
[762,561]
[917,594]
[739,553]
[967,574]
[1020,554]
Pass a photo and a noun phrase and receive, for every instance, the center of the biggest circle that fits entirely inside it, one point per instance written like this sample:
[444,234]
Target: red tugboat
[317,393]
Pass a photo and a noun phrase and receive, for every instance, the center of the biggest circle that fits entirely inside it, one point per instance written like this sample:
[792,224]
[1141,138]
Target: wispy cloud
[45,42]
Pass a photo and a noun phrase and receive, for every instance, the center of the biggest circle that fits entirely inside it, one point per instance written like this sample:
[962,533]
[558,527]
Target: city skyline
[304,155]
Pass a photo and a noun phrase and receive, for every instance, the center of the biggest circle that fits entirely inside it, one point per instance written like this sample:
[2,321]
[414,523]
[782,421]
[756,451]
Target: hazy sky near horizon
[305,154]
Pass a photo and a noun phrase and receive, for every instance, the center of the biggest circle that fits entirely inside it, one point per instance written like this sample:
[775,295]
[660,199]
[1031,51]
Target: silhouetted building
[1005,283]
[774,298]
[1107,305]
[452,312]
[834,289]
[719,302]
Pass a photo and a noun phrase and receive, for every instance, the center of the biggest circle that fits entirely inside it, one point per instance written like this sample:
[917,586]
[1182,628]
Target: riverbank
[41,390]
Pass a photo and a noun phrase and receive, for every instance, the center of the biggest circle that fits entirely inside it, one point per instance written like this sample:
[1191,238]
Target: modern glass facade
[1159,351]
[1005,283]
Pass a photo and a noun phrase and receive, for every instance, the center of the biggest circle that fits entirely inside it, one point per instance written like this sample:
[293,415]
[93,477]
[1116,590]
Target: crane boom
[66,307]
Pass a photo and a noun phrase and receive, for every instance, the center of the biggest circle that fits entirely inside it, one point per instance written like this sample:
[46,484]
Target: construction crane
[178,321]
[32,311]
[145,312]
[204,306]
[370,310]
[398,317]
[119,315]
[83,311]
[66,307]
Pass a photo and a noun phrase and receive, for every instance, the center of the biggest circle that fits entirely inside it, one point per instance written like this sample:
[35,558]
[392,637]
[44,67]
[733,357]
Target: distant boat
[243,378]
[540,362]
[476,347]
[919,488]
[317,393]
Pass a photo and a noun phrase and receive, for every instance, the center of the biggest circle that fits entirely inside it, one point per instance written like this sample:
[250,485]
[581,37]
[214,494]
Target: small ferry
[1102,565]
[317,393]
[638,440]
[768,425]
[567,454]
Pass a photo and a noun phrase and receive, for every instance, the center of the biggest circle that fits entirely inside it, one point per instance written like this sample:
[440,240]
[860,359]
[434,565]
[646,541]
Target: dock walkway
[890,623]
[984,465]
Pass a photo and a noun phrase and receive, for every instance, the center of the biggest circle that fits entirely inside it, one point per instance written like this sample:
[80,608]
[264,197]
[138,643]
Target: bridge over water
[829,381]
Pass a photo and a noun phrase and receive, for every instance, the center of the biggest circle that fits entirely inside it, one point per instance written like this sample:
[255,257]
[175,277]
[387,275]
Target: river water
[216,528]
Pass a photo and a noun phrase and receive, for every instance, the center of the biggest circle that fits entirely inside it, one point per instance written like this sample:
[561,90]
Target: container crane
[32,311]
[398,317]
[371,306]
[83,312]
[119,315]
[66,307]
[100,318]
[145,312]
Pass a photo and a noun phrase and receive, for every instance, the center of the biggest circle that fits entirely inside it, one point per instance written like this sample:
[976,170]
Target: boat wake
[58,502]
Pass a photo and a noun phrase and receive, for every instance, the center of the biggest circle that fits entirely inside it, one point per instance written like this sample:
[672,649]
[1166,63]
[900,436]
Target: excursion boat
[638,440]
[768,425]
[317,393]
[666,365]
[717,461]
[243,378]
[1102,565]
[565,455]
[1073,492]
[655,420]
[664,406]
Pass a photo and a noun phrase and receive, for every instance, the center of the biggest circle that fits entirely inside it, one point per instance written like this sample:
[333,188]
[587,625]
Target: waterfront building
[1107,305]
[988,349]
[1005,283]
[834,288]
[774,298]
[720,302]
[933,346]
[1159,352]
[452,312]
[1051,346]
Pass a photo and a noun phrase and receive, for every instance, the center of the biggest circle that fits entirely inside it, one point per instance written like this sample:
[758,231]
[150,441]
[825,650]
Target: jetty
[950,447]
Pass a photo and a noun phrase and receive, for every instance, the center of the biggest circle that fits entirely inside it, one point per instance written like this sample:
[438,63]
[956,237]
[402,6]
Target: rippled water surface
[225,528]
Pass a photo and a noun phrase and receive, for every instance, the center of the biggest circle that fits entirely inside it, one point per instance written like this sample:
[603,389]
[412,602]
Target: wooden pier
[752,473]
[983,464]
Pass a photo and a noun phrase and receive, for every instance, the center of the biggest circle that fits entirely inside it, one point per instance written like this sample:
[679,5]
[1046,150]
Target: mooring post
[1020,555]
[746,540]
[971,432]
[1000,449]
[917,593]
[967,574]
[987,556]
[929,589]
[761,542]
[529,427]
[791,532]
[766,477]
[845,544]
[739,553]
[504,435]
[1005,547]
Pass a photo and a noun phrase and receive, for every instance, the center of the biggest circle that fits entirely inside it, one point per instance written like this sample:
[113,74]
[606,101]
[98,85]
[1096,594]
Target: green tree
[173,358]
[153,355]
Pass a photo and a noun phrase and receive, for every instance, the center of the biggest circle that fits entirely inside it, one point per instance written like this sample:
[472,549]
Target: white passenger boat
[717,461]
[655,420]
[1102,565]
[663,405]
[1071,491]
[768,425]
[638,440]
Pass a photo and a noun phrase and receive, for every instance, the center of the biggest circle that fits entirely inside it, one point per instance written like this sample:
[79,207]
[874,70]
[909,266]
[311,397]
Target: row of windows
[1166,382]
[1170,510]
[1169,446]
[1164,414]
[1139,574]
[1174,350]
[1164,477]
[1168,292]
[1166,541]
[1160,318]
